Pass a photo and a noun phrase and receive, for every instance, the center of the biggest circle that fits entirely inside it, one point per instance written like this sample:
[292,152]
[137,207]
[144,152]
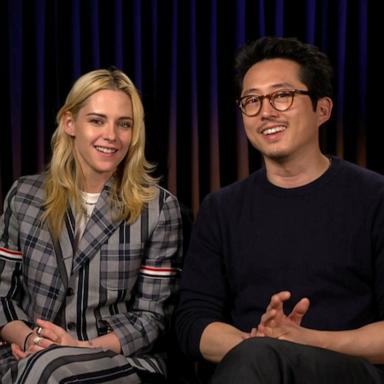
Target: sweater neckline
[326,177]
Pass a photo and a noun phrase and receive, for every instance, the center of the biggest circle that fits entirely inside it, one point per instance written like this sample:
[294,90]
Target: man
[306,228]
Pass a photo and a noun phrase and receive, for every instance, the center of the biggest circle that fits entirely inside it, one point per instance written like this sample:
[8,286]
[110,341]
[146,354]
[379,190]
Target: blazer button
[70,291]
[71,326]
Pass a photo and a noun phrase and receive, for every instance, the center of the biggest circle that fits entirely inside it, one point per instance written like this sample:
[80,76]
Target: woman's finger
[46,333]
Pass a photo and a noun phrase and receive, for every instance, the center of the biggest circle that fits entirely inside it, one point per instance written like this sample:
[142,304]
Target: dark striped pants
[271,361]
[66,365]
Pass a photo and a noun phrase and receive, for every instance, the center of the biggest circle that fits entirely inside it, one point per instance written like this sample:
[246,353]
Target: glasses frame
[270,97]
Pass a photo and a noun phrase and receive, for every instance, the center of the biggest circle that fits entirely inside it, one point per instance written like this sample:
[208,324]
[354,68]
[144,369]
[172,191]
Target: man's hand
[275,323]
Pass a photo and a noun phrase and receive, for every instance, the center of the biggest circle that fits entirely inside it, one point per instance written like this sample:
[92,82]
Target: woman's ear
[69,124]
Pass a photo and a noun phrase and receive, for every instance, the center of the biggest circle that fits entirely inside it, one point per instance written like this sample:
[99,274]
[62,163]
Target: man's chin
[278,155]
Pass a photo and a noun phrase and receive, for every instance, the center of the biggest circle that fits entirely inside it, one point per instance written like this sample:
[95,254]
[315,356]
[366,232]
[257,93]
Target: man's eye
[282,95]
[252,100]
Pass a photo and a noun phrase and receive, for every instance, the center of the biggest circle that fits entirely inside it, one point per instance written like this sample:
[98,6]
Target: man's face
[279,135]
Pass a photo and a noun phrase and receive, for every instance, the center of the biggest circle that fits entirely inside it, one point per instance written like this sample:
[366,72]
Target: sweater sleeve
[203,285]
[378,252]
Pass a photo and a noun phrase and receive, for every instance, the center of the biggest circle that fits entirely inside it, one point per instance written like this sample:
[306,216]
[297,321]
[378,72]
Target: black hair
[315,69]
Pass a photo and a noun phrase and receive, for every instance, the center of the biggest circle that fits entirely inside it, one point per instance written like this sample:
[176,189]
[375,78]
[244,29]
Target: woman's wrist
[86,344]
[25,345]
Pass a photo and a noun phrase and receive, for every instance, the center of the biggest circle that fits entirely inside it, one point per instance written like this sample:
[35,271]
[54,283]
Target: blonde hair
[132,184]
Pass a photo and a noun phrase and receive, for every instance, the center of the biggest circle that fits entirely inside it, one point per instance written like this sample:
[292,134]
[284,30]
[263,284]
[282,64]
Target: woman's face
[102,133]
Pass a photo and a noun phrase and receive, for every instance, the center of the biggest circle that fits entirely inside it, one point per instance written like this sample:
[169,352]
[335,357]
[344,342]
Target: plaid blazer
[119,276]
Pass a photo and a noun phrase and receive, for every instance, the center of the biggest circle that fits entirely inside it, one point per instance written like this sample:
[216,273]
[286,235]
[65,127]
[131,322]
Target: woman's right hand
[30,347]
[17,352]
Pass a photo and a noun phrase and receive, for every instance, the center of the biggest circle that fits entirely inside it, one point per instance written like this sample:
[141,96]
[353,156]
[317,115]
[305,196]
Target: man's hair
[315,69]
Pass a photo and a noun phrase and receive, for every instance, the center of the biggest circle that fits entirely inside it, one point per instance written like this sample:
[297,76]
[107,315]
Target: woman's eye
[95,121]
[125,124]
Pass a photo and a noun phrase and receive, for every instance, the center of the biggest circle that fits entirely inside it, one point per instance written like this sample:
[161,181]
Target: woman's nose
[109,132]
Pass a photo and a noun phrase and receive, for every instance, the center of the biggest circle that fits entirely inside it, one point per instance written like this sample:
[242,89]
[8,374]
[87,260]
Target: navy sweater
[324,241]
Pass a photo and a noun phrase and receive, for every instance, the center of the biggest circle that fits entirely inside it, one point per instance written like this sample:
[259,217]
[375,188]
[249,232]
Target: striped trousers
[64,365]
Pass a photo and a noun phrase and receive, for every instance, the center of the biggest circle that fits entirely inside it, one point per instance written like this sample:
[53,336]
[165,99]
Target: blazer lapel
[65,247]
[99,228]
[63,250]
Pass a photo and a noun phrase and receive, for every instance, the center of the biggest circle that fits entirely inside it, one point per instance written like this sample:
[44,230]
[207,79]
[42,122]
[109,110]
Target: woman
[90,249]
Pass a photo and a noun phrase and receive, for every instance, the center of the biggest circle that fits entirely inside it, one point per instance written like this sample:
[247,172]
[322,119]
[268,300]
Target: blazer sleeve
[149,312]
[10,262]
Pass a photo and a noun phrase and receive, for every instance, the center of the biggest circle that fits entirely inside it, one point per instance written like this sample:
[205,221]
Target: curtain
[180,54]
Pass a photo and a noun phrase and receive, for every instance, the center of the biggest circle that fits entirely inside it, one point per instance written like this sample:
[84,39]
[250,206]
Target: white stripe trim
[11,254]
[156,271]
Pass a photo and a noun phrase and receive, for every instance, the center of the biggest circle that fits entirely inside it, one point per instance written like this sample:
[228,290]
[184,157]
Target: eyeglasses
[281,100]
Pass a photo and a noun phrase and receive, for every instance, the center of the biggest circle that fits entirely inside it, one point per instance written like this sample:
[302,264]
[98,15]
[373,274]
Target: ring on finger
[36,340]
[39,331]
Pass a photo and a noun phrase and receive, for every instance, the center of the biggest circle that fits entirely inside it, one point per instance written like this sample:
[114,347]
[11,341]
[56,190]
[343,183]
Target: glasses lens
[250,105]
[282,100]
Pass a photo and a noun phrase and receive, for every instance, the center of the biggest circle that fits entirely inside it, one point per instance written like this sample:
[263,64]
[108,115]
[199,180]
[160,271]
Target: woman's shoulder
[163,199]
[36,180]
[30,187]
[163,194]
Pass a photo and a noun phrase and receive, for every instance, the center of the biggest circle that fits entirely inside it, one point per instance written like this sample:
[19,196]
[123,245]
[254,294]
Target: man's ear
[69,124]
[324,109]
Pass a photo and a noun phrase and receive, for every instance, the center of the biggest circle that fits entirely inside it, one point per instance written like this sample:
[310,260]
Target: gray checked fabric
[119,276]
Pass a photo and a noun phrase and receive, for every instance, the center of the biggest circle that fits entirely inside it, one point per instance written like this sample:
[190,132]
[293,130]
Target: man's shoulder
[237,190]
[361,175]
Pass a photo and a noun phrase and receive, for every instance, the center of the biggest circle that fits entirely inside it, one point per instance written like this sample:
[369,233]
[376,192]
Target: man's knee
[256,349]
[266,360]
[258,359]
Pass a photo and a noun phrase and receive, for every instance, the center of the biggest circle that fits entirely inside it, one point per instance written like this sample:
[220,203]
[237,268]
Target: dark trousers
[271,361]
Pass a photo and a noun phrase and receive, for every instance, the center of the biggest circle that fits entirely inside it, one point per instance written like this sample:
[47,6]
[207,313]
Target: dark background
[180,55]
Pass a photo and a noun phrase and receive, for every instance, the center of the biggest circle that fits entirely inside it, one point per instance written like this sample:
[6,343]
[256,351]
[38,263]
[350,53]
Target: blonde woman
[90,249]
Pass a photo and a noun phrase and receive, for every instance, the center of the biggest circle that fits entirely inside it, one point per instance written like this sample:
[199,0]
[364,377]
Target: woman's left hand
[56,334]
